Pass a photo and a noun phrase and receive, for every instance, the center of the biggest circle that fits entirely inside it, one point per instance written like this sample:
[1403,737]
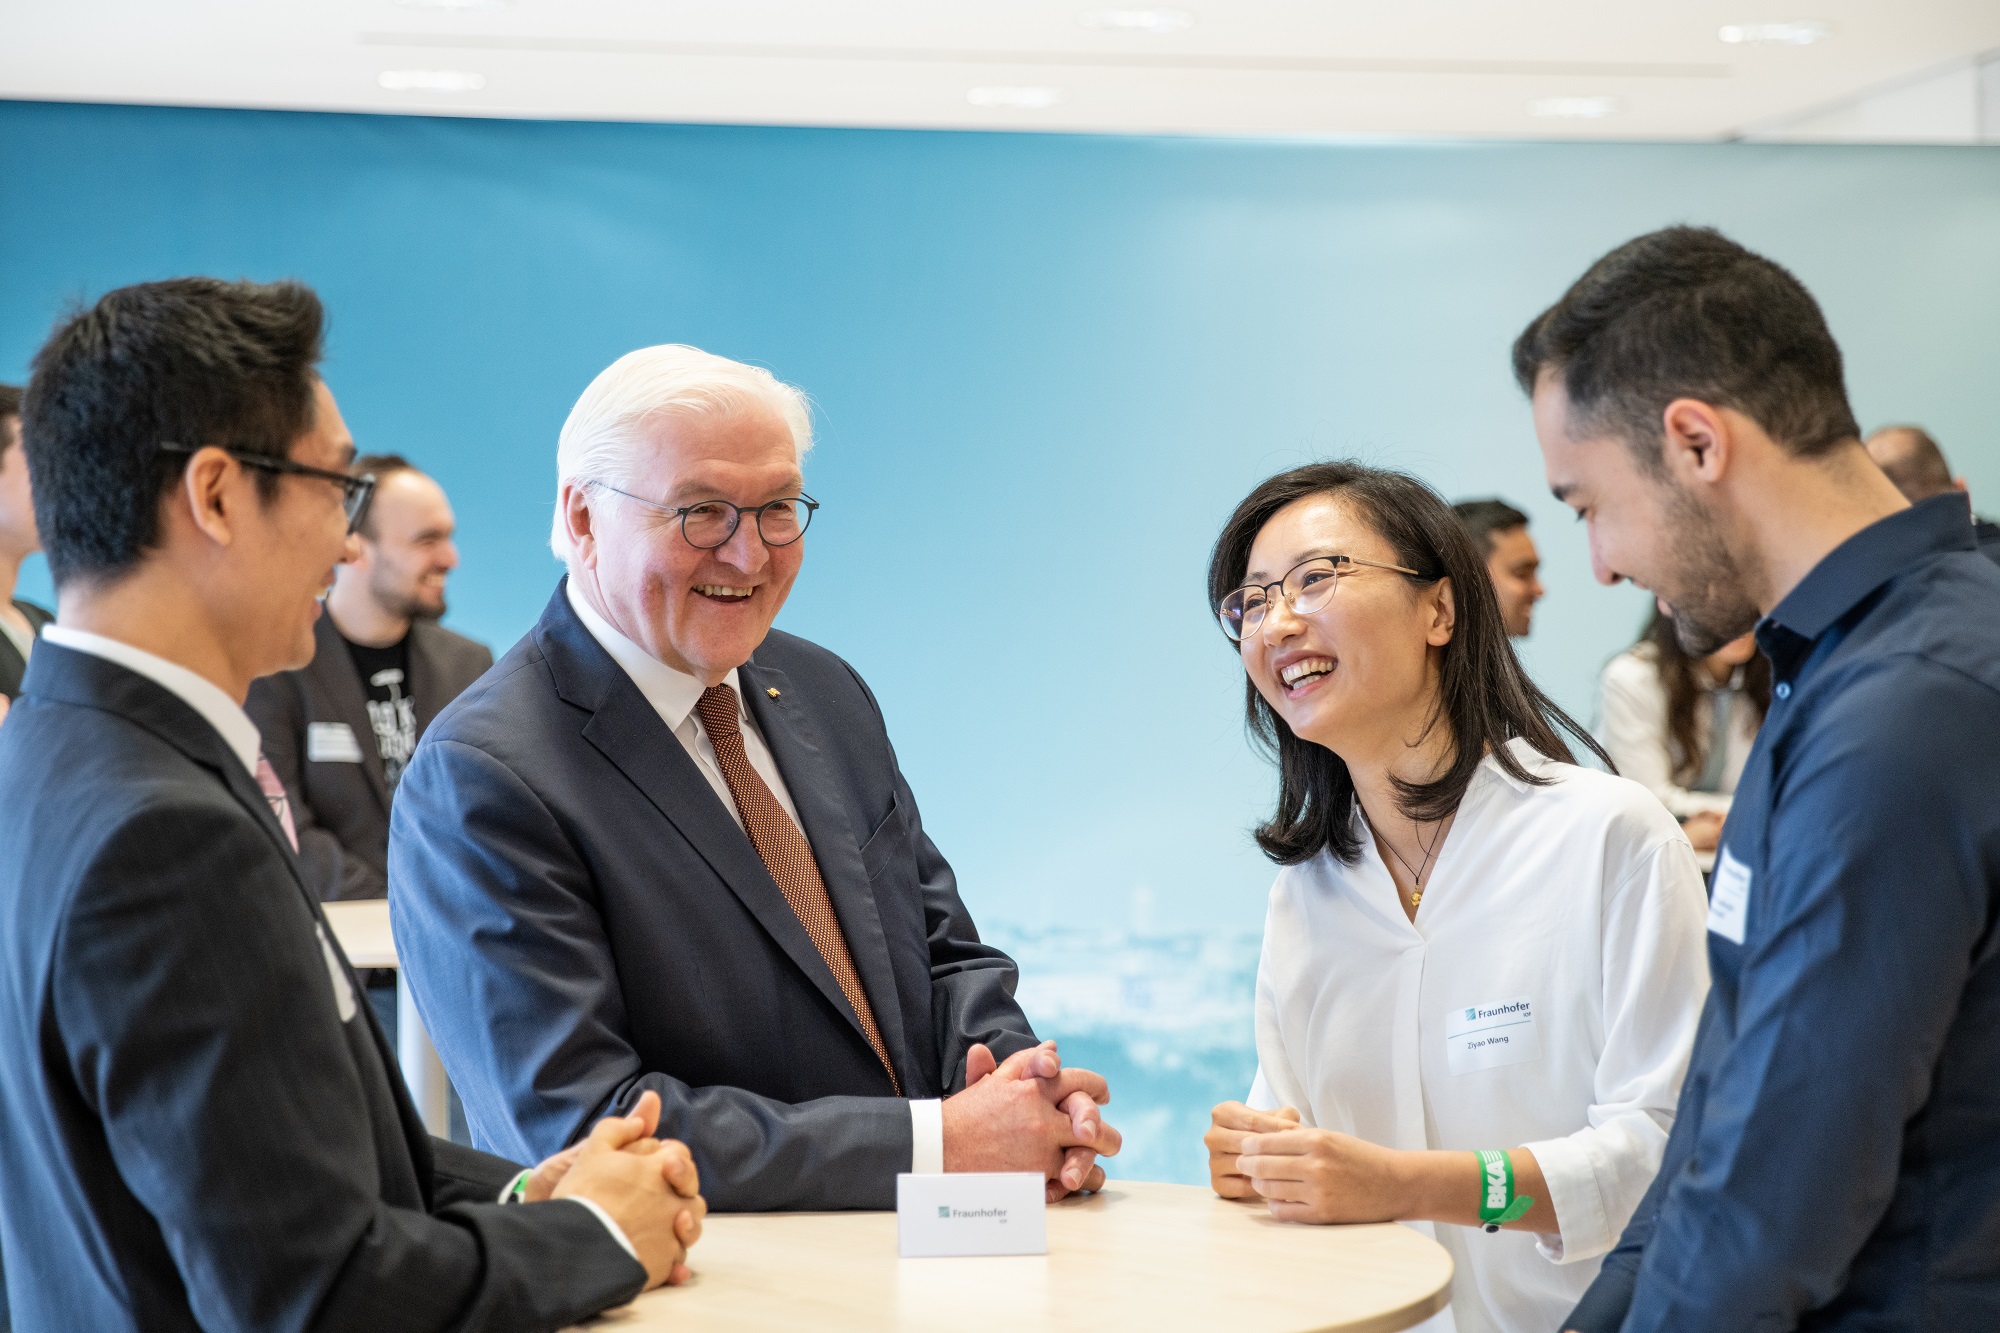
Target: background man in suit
[20,621]
[340,729]
[199,1127]
[662,846]
[1501,531]
[1911,459]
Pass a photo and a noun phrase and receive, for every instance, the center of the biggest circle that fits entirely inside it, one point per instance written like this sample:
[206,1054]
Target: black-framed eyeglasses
[710,523]
[355,491]
[1307,587]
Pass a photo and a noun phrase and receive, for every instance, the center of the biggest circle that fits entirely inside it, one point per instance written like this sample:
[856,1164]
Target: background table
[362,927]
[1157,1257]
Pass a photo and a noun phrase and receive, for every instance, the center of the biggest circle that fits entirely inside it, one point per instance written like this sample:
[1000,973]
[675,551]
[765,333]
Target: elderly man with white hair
[662,846]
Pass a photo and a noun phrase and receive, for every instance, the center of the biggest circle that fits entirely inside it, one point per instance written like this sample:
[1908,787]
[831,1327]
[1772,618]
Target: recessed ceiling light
[1574,108]
[431,81]
[1137,20]
[1028,99]
[457,6]
[1791,32]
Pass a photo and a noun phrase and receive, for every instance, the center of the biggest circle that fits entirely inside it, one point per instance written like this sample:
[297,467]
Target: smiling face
[1516,566]
[699,611]
[291,548]
[1359,675]
[1643,528]
[407,550]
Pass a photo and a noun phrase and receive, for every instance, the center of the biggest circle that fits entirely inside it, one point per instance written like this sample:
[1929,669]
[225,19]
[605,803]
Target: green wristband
[1498,1204]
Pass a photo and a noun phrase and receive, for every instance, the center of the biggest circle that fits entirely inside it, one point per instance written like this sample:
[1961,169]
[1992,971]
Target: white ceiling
[1335,67]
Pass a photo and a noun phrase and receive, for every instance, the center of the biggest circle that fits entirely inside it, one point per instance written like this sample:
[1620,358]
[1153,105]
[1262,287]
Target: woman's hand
[1232,1123]
[1317,1175]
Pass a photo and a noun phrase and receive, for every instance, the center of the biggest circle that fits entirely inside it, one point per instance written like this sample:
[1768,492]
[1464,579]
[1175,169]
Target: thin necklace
[1416,872]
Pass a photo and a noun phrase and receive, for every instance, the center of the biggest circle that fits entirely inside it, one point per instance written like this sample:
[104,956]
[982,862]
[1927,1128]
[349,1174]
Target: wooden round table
[1157,1257]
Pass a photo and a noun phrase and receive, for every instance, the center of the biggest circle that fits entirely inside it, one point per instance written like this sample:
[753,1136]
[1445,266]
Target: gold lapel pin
[772,692]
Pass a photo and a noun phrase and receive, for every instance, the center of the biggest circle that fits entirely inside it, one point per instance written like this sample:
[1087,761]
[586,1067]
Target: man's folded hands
[648,1185]
[1028,1113]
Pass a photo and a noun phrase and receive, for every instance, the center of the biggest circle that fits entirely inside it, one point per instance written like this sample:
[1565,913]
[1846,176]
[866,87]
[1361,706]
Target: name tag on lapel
[1498,1032]
[1729,898]
[331,743]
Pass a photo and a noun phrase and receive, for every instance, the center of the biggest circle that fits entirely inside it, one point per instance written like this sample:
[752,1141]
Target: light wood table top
[362,927]
[1157,1257]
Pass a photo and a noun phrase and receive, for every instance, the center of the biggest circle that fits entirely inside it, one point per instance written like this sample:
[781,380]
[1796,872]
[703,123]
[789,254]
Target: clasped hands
[1028,1113]
[648,1185]
[1303,1174]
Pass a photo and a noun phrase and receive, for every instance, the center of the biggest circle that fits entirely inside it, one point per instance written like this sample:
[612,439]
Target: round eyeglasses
[1307,587]
[710,523]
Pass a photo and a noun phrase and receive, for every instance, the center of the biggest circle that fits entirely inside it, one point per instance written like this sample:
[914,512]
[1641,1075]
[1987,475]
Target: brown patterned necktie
[787,855]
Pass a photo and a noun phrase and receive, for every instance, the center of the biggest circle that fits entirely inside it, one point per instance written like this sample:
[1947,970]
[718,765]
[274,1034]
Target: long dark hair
[1484,696]
[1683,690]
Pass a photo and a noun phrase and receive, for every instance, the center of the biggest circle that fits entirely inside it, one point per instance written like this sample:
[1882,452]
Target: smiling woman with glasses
[1482,963]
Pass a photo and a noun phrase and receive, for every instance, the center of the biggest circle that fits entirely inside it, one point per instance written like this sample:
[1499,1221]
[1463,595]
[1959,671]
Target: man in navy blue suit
[663,847]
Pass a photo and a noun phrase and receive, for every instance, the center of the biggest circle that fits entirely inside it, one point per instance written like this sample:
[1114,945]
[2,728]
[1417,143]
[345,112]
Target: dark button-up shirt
[1835,1163]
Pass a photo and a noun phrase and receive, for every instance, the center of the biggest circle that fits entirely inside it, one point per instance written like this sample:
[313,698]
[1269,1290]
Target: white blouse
[1632,726]
[1545,997]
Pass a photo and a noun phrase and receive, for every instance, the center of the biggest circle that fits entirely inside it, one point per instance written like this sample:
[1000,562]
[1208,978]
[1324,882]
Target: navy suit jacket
[582,919]
[196,1131]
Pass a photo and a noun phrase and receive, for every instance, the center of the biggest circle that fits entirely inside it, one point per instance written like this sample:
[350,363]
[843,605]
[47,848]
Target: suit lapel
[628,732]
[424,675]
[335,667]
[794,740]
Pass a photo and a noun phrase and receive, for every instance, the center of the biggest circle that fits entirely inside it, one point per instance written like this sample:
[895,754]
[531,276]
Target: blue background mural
[1045,368]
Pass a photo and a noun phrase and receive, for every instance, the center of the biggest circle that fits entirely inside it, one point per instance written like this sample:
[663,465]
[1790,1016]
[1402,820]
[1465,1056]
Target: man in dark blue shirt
[1835,1160]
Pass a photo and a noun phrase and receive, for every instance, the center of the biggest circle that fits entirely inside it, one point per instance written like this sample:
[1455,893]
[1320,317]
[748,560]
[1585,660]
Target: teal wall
[1045,368]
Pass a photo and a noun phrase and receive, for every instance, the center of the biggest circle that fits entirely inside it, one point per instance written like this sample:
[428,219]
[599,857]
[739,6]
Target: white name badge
[1000,1212]
[331,743]
[1498,1032]
[1729,898]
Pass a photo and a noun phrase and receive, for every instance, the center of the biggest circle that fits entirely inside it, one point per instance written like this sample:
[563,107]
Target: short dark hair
[1485,520]
[384,466]
[1485,696]
[189,361]
[10,407]
[1918,469]
[1687,312]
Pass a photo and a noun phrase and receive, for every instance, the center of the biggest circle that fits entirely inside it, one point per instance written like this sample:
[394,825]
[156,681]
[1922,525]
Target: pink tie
[274,793]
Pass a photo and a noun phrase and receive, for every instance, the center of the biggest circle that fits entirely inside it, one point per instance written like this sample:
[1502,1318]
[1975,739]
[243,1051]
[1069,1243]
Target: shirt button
[1784,689]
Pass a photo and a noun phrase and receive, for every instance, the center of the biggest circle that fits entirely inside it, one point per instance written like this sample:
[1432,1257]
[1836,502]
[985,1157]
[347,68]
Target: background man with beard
[340,730]
[1833,1162]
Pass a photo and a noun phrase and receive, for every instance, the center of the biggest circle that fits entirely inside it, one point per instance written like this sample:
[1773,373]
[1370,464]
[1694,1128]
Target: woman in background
[1483,965]
[1662,711]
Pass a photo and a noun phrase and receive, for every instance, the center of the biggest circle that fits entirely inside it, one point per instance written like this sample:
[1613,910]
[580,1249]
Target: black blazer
[12,664]
[342,809]
[201,1125]
[581,919]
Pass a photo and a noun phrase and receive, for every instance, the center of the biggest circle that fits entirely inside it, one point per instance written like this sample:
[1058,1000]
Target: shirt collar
[1870,558]
[197,692]
[672,693]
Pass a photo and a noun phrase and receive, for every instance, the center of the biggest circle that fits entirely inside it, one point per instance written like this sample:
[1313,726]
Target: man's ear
[1444,614]
[1696,443]
[211,495]
[579,522]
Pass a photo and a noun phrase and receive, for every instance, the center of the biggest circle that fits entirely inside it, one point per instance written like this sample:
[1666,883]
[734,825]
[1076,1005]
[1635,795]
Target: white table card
[1001,1212]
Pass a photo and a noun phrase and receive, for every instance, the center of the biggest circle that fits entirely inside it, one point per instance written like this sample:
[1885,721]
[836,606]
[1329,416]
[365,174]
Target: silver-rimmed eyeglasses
[710,523]
[1307,587]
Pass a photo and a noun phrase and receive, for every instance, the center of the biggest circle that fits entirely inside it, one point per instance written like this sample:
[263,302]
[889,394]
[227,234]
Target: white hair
[606,429]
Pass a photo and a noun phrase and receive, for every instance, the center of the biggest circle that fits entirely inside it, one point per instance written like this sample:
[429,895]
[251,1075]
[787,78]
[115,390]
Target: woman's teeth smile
[1304,672]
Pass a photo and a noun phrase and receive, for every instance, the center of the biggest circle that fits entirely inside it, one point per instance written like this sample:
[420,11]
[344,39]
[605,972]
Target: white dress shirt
[1580,898]
[673,695]
[240,734]
[1632,727]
